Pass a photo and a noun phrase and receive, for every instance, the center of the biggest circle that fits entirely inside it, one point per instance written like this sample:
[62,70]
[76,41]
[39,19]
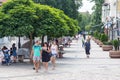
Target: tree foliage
[88,27]
[70,7]
[84,19]
[97,14]
[24,17]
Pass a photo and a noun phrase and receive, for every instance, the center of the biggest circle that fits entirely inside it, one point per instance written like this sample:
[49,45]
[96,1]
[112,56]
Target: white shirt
[54,49]
[1,54]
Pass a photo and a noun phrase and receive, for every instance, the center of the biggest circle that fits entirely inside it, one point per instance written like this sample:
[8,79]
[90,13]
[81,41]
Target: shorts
[36,58]
[54,55]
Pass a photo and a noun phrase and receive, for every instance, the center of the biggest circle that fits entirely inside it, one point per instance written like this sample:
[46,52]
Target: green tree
[50,21]
[88,28]
[84,19]
[97,14]
[25,18]
[3,18]
[70,7]
[20,18]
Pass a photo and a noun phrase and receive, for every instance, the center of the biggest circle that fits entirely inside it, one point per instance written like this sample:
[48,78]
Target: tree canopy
[70,7]
[84,20]
[24,17]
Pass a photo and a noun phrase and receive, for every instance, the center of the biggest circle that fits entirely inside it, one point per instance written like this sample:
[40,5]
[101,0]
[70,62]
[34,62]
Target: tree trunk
[19,42]
[31,44]
[42,39]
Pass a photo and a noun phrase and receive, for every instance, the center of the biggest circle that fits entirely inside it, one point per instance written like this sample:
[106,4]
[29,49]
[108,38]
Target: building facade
[111,18]
[118,15]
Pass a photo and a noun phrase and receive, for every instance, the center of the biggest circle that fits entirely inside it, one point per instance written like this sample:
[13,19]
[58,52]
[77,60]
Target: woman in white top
[54,52]
[1,56]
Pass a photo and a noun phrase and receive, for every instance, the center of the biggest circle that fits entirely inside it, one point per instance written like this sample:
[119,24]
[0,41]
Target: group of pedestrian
[8,56]
[45,52]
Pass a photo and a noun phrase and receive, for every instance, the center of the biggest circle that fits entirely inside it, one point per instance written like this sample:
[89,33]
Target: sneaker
[36,71]
[33,68]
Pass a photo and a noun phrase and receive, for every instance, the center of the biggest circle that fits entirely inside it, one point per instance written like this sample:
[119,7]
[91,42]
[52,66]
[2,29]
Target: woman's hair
[13,45]
[4,47]
[46,44]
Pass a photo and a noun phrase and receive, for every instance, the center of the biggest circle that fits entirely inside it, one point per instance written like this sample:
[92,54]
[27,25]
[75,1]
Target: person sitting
[6,55]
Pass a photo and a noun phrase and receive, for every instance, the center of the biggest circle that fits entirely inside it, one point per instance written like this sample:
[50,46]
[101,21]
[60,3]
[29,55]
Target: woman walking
[54,52]
[14,54]
[36,54]
[87,47]
[45,55]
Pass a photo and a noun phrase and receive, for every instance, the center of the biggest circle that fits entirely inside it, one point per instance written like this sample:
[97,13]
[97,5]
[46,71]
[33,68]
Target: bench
[23,53]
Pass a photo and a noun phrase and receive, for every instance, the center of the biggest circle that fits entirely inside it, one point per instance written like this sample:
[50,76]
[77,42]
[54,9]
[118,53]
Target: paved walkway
[74,66]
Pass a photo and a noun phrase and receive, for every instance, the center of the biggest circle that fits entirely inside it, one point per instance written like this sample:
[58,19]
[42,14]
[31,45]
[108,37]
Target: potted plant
[115,53]
[96,36]
[107,45]
[98,41]
[116,44]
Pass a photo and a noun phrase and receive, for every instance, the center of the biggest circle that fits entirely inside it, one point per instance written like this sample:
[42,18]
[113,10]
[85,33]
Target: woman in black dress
[45,55]
[87,47]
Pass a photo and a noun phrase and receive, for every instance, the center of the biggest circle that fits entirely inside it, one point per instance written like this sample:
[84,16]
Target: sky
[87,6]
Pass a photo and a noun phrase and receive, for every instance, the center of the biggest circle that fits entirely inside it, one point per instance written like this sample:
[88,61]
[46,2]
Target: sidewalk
[74,66]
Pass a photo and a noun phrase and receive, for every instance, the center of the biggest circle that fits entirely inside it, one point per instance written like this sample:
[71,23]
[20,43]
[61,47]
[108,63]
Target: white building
[110,16]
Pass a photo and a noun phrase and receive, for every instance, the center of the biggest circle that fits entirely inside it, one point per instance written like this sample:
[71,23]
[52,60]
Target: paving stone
[74,66]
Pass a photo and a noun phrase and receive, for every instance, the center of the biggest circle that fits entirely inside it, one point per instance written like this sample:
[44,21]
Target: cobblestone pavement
[74,66]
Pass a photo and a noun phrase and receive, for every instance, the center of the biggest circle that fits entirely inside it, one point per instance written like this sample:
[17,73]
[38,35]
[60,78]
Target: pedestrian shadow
[25,75]
[72,51]
[83,58]
[68,58]
[18,65]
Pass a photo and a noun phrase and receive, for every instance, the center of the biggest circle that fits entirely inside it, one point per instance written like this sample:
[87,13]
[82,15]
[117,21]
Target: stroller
[7,59]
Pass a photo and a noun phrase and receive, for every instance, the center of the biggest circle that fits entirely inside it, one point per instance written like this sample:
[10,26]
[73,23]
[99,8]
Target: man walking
[36,54]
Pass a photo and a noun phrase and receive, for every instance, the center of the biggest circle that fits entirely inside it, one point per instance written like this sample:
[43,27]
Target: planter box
[107,47]
[100,44]
[114,54]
